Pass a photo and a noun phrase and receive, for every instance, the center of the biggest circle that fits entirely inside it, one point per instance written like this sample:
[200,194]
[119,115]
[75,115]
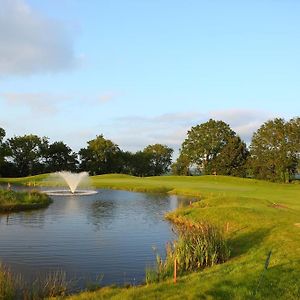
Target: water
[111,234]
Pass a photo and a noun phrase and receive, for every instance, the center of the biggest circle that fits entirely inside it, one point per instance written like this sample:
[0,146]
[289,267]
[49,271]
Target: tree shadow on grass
[278,282]
[242,243]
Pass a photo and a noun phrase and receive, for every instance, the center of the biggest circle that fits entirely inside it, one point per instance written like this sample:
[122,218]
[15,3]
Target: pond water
[110,234]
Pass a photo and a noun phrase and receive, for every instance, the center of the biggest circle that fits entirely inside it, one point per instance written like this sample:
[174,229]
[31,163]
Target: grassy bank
[11,201]
[257,217]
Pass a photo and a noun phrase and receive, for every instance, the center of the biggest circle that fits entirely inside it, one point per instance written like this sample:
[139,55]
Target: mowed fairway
[257,217]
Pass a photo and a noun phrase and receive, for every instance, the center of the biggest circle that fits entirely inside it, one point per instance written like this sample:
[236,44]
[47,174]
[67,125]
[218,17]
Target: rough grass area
[11,201]
[14,287]
[257,217]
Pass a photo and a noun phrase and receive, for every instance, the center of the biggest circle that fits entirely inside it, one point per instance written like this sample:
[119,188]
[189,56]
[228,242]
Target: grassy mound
[18,201]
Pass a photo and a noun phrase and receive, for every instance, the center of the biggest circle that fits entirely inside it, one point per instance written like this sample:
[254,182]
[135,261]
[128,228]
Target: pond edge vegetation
[12,201]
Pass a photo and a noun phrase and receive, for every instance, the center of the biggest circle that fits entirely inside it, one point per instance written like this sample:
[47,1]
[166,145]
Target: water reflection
[110,233]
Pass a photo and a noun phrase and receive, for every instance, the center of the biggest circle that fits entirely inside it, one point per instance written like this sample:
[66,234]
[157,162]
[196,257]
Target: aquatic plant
[199,245]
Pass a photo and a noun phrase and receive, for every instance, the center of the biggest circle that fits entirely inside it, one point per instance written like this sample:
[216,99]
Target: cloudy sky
[145,71]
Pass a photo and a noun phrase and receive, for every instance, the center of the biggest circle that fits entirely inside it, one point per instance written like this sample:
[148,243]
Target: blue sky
[143,72]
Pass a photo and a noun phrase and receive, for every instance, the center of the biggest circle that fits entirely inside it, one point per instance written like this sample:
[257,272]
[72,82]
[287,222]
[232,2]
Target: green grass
[17,201]
[257,217]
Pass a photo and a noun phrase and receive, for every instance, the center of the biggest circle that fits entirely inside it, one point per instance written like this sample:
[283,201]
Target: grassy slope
[255,225]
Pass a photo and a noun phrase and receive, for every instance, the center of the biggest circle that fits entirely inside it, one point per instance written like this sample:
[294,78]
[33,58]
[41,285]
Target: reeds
[13,287]
[199,245]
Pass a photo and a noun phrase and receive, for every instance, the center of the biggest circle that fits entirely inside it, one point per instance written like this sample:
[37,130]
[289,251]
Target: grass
[256,216]
[11,201]
[199,245]
[13,286]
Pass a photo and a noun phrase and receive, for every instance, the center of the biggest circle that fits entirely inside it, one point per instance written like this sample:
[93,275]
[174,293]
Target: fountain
[72,180]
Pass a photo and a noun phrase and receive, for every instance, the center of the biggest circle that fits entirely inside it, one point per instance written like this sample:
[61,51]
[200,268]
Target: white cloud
[36,103]
[135,132]
[31,42]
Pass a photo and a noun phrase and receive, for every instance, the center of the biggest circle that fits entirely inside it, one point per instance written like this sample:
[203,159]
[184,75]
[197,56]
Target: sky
[145,71]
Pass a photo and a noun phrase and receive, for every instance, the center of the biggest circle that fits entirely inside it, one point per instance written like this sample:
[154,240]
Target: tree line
[209,148]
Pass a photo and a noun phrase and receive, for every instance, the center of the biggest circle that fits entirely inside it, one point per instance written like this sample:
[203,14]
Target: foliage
[3,150]
[275,149]
[199,245]
[232,158]
[99,156]
[26,153]
[181,166]
[60,157]
[17,201]
[214,148]
[160,158]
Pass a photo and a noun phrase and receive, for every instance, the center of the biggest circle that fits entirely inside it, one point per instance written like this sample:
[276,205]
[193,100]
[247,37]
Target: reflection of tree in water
[26,218]
[101,214]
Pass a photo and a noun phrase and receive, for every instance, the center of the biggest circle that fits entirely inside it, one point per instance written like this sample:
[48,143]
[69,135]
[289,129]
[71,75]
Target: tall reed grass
[14,287]
[199,245]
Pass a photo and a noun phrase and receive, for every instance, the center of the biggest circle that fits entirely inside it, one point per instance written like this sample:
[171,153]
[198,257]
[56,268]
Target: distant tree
[160,158]
[181,166]
[25,153]
[140,164]
[231,159]
[275,150]
[100,156]
[205,142]
[3,151]
[60,157]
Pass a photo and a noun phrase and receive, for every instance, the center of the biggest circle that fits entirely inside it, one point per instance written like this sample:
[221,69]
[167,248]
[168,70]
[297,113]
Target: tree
[3,151]
[232,158]
[160,158]
[25,153]
[60,157]
[205,142]
[181,166]
[100,156]
[275,150]
[140,164]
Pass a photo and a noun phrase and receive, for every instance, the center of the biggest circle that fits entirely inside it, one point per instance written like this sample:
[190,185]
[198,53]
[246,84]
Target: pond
[110,234]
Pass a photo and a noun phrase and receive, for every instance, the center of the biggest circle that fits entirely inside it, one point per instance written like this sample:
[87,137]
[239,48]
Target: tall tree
[205,142]
[100,156]
[275,150]
[3,151]
[181,166]
[160,158]
[232,158]
[60,157]
[25,153]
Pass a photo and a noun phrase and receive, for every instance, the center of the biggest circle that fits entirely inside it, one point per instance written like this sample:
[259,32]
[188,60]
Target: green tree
[100,156]
[205,142]
[60,157]
[25,153]
[160,158]
[275,150]
[181,166]
[232,158]
[140,164]
[3,151]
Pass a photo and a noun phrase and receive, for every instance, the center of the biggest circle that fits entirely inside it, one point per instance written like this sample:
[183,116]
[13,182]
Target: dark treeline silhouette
[31,155]
[209,148]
